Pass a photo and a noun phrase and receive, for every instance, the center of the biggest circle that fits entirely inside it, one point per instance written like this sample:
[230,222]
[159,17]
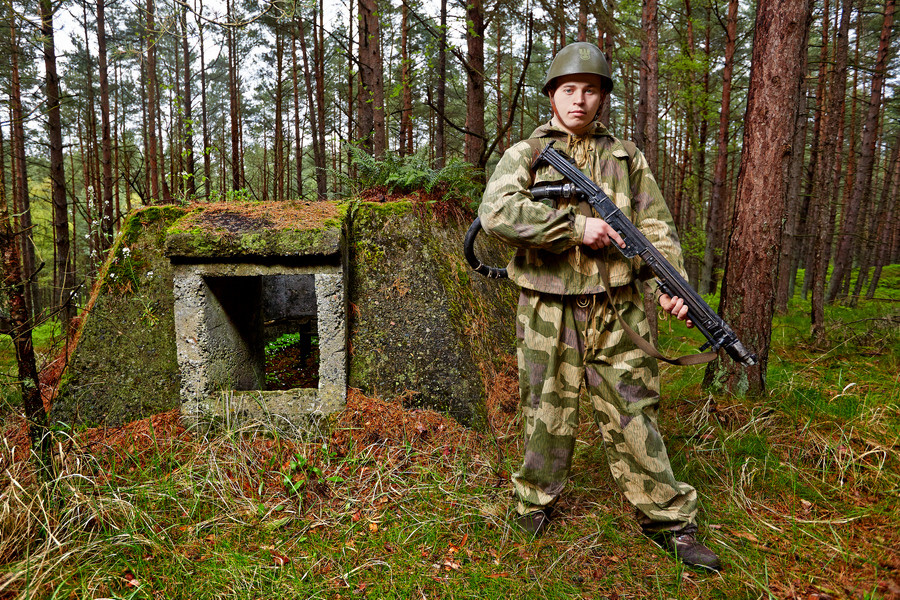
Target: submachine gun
[717,332]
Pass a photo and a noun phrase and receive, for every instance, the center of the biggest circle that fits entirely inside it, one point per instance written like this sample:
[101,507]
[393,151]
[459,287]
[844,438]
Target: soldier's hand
[676,307]
[598,234]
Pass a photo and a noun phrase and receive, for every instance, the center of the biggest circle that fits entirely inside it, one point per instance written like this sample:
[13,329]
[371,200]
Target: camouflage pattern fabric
[550,257]
[562,342]
[567,333]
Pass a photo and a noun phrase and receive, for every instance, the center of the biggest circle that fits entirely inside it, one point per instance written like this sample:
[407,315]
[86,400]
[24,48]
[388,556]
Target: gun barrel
[710,324]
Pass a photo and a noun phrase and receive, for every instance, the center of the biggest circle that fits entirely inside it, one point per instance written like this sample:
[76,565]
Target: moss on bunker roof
[252,217]
[226,229]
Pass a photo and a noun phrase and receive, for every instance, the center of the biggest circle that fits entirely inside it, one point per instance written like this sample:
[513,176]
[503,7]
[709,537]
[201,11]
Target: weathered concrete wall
[125,365]
[423,327]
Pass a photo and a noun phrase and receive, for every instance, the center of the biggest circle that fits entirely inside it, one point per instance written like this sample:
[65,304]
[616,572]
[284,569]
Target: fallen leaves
[746,536]
[130,580]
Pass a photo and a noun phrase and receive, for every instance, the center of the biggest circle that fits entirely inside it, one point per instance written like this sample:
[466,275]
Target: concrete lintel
[250,269]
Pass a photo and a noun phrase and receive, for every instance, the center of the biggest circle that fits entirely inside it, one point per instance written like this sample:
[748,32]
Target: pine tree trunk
[715,220]
[310,103]
[793,203]
[440,141]
[887,232]
[810,230]
[151,157]
[207,149]
[474,66]
[319,131]
[862,183]
[876,242]
[188,135]
[21,200]
[18,324]
[106,221]
[371,102]
[237,180]
[278,142]
[64,276]
[404,146]
[823,187]
[748,291]
[651,133]
[295,77]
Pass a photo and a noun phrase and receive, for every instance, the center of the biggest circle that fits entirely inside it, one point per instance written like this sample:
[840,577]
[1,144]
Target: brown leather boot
[536,522]
[684,545]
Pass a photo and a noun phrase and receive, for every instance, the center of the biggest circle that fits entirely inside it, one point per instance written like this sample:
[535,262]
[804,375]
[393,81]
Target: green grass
[798,495]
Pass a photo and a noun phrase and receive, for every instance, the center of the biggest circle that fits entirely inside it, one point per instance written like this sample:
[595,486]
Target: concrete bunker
[190,297]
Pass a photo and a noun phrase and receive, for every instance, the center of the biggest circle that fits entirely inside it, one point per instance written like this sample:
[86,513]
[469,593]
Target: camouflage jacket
[550,257]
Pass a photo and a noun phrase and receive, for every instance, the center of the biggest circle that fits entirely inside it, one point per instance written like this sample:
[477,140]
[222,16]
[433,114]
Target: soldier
[567,333]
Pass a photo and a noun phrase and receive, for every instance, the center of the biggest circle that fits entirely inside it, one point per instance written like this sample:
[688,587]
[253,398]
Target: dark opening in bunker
[290,332]
[267,330]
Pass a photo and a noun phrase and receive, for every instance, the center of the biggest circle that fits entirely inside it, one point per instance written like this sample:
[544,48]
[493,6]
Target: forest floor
[798,494]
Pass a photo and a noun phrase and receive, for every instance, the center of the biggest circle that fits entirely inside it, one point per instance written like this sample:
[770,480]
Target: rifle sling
[640,342]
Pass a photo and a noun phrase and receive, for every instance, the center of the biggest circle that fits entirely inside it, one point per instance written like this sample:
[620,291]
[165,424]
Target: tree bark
[19,326]
[793,204]
[207,149]
[715,218]
[237,179]
[823,187]
[319,132]
[106,210]
[21,201]
[440,141]
[188,135]
[862,183]
[810,228]
[151,157]
[651,151]
[748,292]
[474,66]
[295,78]
[279,117]
[876,242]
[318,159]
[887,229]
[64,275]
[371,72]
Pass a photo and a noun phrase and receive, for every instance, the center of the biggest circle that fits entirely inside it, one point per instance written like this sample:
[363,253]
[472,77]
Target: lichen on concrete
[421,328]
[125,365]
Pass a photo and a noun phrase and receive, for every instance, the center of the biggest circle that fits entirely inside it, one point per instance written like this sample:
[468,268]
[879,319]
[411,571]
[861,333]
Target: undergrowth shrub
[413,173]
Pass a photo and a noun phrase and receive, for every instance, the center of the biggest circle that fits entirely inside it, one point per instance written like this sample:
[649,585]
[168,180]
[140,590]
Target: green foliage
[413,173]
[693,243]
[288,340]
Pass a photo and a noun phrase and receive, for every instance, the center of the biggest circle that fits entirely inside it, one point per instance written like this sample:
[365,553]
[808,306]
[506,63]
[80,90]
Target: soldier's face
[576,101]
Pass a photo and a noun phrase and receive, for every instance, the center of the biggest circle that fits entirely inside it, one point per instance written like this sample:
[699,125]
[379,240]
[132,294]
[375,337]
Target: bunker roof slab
[257,229]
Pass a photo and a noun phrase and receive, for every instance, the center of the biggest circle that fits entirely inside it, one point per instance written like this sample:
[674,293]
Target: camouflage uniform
[567,334]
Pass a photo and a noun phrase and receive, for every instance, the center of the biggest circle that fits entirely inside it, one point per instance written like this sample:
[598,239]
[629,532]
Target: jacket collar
[550,130]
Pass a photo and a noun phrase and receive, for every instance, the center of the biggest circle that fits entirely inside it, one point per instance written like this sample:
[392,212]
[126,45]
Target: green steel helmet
[580,57]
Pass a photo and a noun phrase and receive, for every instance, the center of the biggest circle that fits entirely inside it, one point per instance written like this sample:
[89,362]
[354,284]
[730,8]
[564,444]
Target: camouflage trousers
[562,342]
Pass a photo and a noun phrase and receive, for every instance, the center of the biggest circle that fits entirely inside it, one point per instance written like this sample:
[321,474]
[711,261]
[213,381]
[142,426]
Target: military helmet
[580,57]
